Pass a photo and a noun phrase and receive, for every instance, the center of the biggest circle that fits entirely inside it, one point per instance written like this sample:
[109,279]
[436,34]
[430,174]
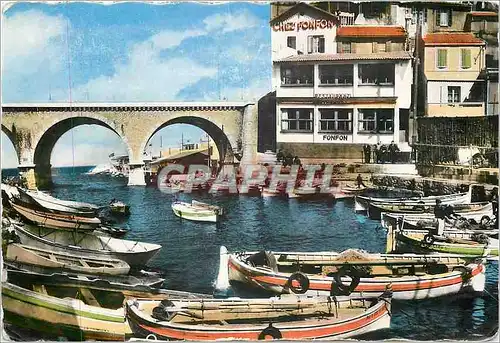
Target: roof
[450,39]
[304,6]
[371,31]
[182,154]
[393,55]
[483,14]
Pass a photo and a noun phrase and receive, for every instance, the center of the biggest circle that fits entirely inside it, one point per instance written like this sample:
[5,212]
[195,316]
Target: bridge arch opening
[10,155]
[218,138]
[69,152]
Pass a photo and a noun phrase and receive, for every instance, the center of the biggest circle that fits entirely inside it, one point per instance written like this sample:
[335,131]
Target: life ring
[485,220]
[303,281]
[270,331]
[428,239]
[338,287]
[151,337]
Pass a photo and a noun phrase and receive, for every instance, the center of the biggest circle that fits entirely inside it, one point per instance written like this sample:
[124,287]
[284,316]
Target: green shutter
[442,58]
[466,59]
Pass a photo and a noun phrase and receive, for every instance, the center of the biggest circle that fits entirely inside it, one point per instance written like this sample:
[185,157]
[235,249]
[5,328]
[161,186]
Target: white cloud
[84,154]
[254,91]
[31,41]
[228,22]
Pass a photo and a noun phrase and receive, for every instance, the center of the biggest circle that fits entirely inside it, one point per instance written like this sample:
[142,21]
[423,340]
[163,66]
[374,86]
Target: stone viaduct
[35,128]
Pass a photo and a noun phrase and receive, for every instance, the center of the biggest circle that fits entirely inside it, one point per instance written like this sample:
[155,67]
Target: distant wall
[267,123]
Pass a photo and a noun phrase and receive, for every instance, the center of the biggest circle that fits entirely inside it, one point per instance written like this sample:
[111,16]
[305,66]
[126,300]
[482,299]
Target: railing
[472,156]
[346,18]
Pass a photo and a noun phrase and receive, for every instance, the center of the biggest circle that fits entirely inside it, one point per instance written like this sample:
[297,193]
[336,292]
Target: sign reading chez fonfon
[304,25]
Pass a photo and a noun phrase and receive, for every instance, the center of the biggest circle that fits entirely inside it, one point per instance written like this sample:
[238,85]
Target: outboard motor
[263,259]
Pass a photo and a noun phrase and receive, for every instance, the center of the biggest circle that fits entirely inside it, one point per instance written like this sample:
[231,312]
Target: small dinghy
[64,262]
[197,211]
[119,207]
[287,317]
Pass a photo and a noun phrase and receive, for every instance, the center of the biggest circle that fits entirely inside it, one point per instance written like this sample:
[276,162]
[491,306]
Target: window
[376,74]
[297,75]
[443,17]
[335,119]
[297,119]
[291,42]
[465,58]
[442,58]
[315,44]
[376,120]
[381,47]
[344,48]
[453,94]
[336,74]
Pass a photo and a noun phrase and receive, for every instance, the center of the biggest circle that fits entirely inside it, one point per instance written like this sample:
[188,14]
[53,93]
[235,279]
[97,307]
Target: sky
[127,52]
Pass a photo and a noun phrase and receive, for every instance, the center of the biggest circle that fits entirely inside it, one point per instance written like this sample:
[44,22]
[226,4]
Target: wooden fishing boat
[59,314]
[138,280]
[474,221]
[51,203]
[362,202]
[56,220]
[375,209]
[197,211]
[354,272]
[64,262]
[135,253]
[288,318]
[131,289]
[463,243]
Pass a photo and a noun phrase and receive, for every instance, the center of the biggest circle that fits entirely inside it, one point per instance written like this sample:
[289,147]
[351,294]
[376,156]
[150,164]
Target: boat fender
[270,331]
[485,220]
[340,288]
[303,281]
[428,239]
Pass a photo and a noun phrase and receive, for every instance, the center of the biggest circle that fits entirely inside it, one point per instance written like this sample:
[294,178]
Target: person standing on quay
[376,153]
[360,182]
[440,214]
[393,148]
[367,152]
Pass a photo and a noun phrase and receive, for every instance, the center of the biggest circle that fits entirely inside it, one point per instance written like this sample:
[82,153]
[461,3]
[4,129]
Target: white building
[338,87]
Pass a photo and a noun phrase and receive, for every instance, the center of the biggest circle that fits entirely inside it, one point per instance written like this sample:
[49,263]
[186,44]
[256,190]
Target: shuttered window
[442,58]
[466,58]
[443,17]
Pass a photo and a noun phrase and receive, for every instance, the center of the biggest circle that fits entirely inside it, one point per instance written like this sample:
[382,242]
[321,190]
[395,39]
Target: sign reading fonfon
[335,137]
[304,25]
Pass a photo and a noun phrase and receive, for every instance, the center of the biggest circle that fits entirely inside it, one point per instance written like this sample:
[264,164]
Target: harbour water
[189,257]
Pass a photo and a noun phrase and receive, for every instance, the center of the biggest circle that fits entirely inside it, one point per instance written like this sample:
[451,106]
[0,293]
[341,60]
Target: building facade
[338,87]
[453,65]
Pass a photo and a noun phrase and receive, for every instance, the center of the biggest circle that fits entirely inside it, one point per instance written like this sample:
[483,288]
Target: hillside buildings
[345,73]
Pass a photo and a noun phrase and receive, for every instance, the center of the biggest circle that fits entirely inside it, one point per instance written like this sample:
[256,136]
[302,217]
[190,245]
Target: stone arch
[216,133]
[12,137]
[48,138]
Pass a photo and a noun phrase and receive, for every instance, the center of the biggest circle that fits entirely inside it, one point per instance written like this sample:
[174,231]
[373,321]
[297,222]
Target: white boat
[135,253]
[362,202]
[197,211]
[50,202]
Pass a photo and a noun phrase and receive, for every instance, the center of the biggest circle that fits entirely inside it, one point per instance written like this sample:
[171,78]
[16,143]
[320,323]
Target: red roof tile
[392,55]
[483,14]
[371,31]
[452,39]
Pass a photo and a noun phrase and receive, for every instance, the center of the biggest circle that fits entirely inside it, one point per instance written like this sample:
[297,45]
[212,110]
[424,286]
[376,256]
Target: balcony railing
[347,18]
